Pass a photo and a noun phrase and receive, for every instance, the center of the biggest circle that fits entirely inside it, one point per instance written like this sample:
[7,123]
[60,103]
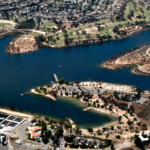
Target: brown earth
[22,45]
[143,112]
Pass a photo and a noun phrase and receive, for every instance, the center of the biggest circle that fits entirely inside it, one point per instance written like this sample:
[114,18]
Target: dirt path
[124,144]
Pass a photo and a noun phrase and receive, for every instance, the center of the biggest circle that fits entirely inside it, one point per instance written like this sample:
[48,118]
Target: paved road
[3,147]
[22,129]
[8,21]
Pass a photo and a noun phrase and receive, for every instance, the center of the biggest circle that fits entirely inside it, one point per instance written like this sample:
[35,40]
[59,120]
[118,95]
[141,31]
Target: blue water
[20,73]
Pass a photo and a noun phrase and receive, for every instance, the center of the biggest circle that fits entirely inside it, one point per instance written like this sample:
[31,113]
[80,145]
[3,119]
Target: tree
[61,81]
[138,142]
[45,140]
[99,132]
[90,129]
[110,107]
[69,139]
[118,137]
[27,24]
[59,132]
[144,126]
[77,130]
[112,128]
[107,135]
[66,82]
[89,104]
[119,119]
[48,134]
[40,39]
[54,93]
[77,82]
[12,107]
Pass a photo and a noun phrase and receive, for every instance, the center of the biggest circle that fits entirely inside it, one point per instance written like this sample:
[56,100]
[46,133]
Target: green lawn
[45,25]
[35,34]
[137,11]
[108,29]
[3,25]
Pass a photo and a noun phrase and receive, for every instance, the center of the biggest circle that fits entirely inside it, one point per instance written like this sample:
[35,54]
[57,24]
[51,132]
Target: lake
[19,73]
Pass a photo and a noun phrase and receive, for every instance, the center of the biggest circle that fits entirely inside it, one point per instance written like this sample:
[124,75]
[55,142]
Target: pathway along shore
[15,113]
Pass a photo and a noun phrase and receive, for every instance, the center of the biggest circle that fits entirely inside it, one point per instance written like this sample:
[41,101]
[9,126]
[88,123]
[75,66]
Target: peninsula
[122,101]
[23,44]
[138,59]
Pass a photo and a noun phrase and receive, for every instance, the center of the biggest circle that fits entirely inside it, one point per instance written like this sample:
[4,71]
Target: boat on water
[59,66]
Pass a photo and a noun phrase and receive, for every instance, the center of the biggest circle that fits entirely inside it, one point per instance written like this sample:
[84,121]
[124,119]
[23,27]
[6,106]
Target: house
[142,138]
[35,132]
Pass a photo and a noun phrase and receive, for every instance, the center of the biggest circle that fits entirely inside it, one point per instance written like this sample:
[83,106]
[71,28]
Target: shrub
[118,127]
[69,139]
[112,128]
[99,132]
[107,135]
[118,137]
[89,104]
[90,129]
[85,99]
[66,93]
[78,96]
[125,116]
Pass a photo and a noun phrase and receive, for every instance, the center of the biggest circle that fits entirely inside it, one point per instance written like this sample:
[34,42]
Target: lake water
[20,73]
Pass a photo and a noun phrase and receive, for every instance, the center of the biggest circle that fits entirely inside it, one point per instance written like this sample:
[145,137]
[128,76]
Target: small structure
[56,78]
[35,132]
[143,139]
[18,142]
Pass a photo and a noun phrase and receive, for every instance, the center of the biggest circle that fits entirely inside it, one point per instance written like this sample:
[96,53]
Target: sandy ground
[48,96]
[115,124]
[10,112]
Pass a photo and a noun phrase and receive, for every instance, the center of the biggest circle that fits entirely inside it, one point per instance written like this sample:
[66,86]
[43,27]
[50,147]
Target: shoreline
[100,111]
[47,96]
[93,41]
[96,110]
[114,61]
[15,113]
[76,43]
[8,111]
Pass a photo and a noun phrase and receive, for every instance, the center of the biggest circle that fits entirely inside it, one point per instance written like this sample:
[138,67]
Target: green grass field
[35,34]
[4,24]
[45,25]
[108,30]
